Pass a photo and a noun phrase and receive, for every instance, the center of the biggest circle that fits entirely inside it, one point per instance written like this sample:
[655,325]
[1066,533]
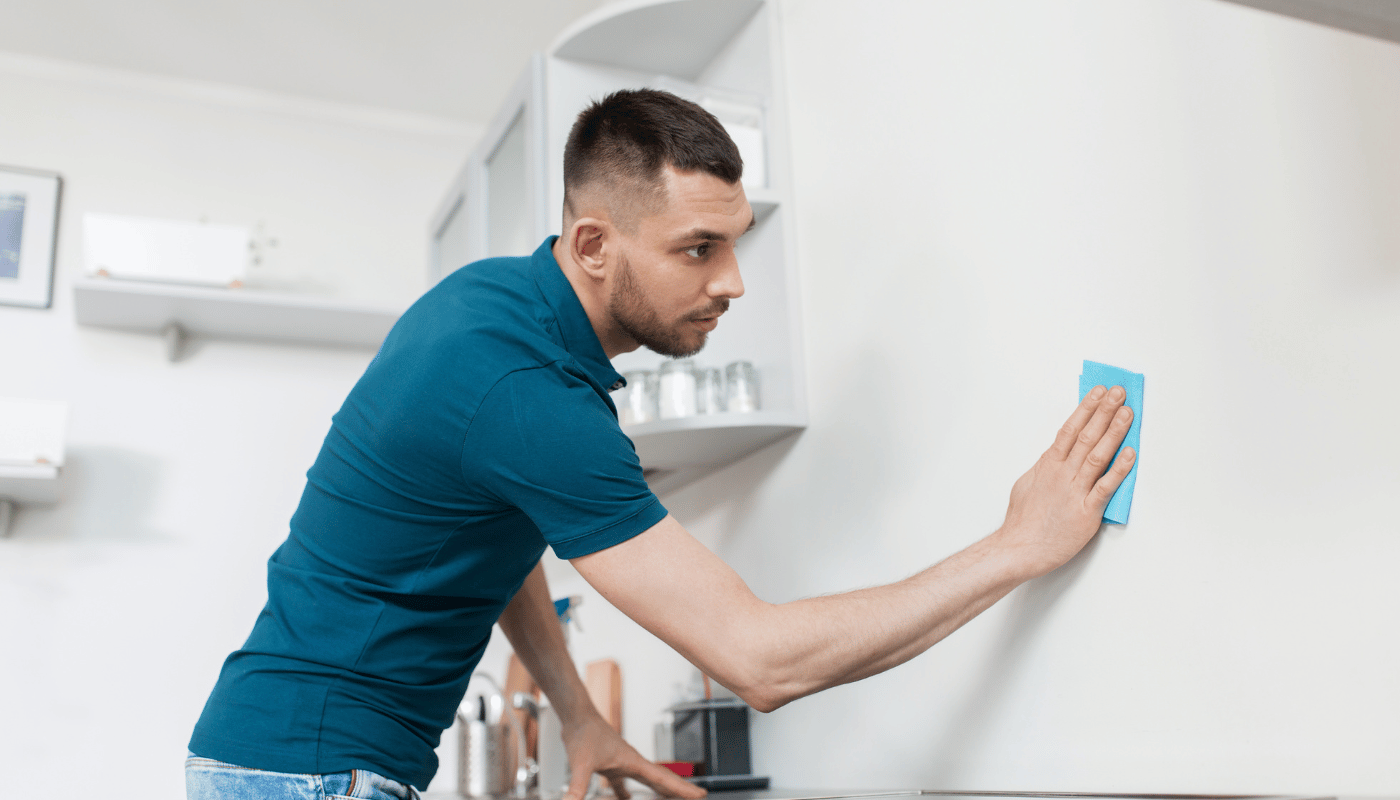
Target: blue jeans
[207,779]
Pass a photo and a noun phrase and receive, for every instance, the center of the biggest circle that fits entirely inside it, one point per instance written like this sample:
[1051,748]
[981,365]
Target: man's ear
[591,244]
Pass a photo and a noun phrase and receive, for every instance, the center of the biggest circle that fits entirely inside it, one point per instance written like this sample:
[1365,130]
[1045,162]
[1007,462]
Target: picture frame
[29,202]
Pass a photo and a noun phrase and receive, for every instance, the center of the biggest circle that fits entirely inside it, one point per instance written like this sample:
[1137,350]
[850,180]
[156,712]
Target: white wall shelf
[176,311]
[31,453]
[675,452]
[726,46]
[30,484]
[680,38]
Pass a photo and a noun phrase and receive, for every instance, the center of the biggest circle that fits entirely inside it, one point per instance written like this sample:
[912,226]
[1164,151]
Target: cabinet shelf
[675,452]
[676,37]
[29,484]
[36,483]
[229,313]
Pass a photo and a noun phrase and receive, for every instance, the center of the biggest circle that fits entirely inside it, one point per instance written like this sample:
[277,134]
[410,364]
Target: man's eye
[698,251]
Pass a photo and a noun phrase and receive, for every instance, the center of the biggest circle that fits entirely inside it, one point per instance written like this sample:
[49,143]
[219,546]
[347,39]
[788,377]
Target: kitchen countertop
[842,794]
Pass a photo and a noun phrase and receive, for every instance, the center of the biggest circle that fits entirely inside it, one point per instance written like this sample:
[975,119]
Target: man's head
[652,209]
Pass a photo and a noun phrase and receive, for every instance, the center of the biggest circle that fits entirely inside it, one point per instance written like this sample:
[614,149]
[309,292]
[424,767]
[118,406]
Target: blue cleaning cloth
[1096,374]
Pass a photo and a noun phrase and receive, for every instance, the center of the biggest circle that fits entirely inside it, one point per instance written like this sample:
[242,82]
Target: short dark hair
[631,136]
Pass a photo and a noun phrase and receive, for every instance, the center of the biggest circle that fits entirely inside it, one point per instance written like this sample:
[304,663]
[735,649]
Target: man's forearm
[770,654]
[808,645]
[532,626]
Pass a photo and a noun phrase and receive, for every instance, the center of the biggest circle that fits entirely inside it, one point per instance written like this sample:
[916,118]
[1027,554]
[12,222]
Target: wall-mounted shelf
[176,312]
[674,38]
[25,484]
[675,452]
[31,453]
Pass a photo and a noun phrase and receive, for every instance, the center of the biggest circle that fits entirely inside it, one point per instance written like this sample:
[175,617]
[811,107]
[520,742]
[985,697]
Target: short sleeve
[546,442]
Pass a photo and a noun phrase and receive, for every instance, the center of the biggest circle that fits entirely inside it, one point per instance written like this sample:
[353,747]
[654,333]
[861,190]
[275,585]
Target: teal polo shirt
[480,434]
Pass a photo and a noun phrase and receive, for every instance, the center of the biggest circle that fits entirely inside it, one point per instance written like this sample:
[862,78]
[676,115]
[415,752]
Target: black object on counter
[730,783]
[715,733]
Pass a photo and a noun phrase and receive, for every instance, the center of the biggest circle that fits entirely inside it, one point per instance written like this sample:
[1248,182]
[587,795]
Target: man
[483,432]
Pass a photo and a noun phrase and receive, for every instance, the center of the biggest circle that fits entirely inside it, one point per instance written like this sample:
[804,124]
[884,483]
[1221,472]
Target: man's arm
[532,626]
[772,654]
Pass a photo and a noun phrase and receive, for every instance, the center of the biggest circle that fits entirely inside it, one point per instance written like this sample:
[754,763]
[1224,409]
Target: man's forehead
[702,206]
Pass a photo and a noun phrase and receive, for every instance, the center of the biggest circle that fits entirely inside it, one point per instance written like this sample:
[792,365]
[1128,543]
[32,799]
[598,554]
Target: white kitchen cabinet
[495,205]
[724,54]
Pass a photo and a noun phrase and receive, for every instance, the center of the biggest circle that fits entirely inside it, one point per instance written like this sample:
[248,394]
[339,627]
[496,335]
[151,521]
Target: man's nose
[728,283]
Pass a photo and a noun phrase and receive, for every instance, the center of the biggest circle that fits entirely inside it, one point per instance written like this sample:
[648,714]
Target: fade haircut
[622,144]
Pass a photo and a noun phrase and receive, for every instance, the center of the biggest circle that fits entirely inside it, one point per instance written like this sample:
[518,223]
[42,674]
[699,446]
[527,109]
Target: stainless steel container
[484,766]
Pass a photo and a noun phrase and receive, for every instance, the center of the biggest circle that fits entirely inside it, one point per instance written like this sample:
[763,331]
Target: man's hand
[594,746]
[1057,507]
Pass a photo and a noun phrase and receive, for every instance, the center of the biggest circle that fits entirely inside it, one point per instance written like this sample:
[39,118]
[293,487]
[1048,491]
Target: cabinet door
[451,248]
[495,205]
[512,169]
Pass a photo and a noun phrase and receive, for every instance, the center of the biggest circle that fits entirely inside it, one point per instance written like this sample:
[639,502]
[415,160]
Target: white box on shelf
[742,117]
[31,432]
[138,248]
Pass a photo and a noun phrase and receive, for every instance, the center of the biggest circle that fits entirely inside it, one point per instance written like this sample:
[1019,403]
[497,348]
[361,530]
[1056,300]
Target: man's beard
[638,319]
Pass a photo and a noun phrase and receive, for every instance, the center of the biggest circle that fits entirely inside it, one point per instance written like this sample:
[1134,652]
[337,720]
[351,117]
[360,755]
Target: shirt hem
[614,534]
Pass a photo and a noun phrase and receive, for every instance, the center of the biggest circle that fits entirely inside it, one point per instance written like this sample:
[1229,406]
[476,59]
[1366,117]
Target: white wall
[118,605]
[989,192]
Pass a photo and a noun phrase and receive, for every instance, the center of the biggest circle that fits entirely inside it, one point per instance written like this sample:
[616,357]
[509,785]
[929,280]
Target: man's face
[677,272]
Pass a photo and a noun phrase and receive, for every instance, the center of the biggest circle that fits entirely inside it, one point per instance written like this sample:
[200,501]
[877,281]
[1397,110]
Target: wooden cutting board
[603,678]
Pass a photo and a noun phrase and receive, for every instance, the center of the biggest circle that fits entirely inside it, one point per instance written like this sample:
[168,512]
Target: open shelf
[29,484]
[36,483]
[675,37]
[675,452]
[229,313]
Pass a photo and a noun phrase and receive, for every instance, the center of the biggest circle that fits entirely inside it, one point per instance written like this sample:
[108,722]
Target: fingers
[1108,484]
[1097,461]
[1095,428]
[1069,434]
[665,782]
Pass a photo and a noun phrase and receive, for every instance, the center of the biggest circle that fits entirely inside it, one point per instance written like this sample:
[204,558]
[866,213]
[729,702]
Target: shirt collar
[574,327]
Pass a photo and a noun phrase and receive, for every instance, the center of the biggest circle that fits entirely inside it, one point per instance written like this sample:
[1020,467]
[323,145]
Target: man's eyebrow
[707,235]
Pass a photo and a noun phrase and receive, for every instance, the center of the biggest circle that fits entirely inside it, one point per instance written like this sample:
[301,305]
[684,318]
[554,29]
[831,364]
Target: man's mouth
[712,314]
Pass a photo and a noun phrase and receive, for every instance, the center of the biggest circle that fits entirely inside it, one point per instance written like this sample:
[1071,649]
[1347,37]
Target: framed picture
[28,233]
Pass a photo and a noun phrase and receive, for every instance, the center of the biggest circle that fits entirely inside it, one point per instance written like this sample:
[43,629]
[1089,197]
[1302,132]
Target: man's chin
[677,348]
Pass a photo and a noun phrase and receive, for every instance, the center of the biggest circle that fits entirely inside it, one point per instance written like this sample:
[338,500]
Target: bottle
[677,396]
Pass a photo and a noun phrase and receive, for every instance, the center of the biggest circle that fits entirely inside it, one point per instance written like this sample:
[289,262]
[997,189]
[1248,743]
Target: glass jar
[678,389]
[709,391]
[741,387]
[636,403]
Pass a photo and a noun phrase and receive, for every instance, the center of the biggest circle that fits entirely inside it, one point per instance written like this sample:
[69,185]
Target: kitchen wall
[988,193]
[118,605]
